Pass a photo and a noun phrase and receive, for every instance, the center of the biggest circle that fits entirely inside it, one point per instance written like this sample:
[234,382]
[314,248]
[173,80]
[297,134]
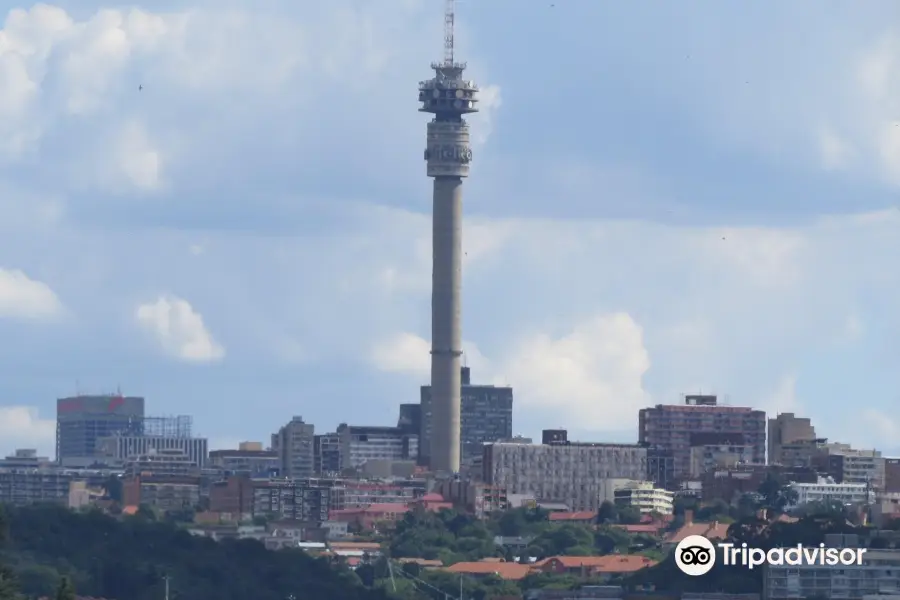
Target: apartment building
[892,475]
[571,473]
[645,497]
[166,493]
[294,444]
[327,454]
[50,484]
[671,426]
[248,459]
[117,450]
[360,444]
[787,429]
[879,575]
[485,417]
[848,465]
[162,463]
[826,489]
[718,451]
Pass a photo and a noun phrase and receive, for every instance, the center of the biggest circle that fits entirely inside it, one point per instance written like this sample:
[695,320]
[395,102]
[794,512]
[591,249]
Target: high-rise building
[787,429]
[360,444]
[449,97]
[295,446]
[670,427]
[485,417]
[327,452]
[572,473]
[83,420]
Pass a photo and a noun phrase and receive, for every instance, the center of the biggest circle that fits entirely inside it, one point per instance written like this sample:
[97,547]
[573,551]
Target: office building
[83,420]
[359,444]
[118,450]
[787,429]
[645,497]
[826,489]
[295,445]
[717,451]
[572,473]
[249,459]
[485,413]
[671,427]
[327,453]
[879,576]
[849,465]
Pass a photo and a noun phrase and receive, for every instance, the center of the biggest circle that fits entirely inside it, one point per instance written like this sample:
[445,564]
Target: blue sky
[666,198]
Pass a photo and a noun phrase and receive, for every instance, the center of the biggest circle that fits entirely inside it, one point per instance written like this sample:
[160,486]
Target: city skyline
[247,238]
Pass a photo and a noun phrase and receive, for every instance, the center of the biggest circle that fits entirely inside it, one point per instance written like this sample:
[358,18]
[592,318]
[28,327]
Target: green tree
[607,513]
[9,589]
[65,590]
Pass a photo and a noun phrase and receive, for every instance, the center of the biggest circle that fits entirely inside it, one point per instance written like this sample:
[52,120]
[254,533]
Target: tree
[65,591]
[607,513]
[776,494]
[629,515]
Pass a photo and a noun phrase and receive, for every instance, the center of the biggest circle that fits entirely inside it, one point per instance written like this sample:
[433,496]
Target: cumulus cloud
[25,298]
[410,353]
[179,329]
[22,427]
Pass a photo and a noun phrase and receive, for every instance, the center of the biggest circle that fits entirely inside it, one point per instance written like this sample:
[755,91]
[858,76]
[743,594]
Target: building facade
[645,497]
[327,453]
[828,490]
[485,417]
[83,420]
[248,459]
[671,427]
[118,449]
[787,429]
[570,473]
[360,444]
[295,445]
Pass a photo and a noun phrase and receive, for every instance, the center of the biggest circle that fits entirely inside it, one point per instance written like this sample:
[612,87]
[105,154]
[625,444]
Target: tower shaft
[448,154]
[446,323]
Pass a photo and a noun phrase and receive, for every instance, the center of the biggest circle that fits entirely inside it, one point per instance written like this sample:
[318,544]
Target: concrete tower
[448,96]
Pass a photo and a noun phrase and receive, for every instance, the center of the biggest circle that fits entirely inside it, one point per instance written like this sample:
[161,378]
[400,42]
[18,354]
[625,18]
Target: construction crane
[449,18]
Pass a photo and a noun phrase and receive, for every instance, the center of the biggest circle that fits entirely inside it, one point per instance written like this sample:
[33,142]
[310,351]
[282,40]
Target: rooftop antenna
[449,18]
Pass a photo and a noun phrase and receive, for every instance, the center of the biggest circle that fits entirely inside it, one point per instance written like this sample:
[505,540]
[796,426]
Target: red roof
[585,515]
[432,497]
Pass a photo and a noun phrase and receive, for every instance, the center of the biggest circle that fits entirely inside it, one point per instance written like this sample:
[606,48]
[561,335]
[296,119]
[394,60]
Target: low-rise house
[586,566]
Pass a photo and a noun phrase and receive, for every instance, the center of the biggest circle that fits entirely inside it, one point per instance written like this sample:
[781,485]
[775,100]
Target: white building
[826,490]
[643,496]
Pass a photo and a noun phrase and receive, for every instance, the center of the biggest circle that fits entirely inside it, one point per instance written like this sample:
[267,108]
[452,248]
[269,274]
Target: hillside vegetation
[129,559]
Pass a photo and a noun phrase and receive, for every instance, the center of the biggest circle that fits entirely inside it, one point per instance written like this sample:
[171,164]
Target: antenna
[449,17]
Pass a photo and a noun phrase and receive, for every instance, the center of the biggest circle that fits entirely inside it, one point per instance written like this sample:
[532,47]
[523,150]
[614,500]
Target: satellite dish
[436,93]
[459,93]
[457,103]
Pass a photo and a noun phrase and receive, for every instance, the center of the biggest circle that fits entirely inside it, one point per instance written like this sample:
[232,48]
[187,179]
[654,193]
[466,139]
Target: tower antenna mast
[449,22]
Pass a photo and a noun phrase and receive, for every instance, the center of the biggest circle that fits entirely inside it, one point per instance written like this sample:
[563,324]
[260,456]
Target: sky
[666,198]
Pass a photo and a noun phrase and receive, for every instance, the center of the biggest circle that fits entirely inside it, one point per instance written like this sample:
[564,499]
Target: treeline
[131,558]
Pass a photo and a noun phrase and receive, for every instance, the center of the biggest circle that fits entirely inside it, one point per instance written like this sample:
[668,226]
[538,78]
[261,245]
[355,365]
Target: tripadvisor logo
[695,555]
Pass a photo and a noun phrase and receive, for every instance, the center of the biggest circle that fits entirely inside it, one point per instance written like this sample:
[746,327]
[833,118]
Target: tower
[447,155]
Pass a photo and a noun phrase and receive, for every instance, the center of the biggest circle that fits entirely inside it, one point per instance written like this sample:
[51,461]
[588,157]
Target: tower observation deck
[448,154]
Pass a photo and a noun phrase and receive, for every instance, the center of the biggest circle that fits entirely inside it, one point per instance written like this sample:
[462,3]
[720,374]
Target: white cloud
[410,353]
[592,375]
[22,427]
[783,399]
[25,298]
[179,329]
